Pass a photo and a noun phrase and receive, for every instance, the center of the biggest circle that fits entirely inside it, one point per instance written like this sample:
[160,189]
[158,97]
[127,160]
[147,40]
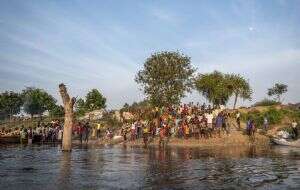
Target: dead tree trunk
[69,117]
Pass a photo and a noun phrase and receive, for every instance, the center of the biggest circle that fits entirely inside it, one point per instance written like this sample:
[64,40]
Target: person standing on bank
[86,132]
[238,120]
[98,130]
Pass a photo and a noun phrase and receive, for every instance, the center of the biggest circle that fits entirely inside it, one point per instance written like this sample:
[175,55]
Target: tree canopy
[80,107]
[37,101]
[214,87]
[217,87]
[57,111]
[240,87]
[10,103]
[166,77]
[94,100]
[278,90]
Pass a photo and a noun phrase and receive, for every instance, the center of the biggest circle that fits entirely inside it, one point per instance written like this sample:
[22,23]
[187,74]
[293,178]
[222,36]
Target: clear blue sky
[102,44]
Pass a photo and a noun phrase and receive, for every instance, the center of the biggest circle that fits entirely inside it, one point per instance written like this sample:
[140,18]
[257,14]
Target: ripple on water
[127,168]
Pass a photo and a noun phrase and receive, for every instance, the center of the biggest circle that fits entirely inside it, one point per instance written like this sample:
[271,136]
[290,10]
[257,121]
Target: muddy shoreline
[234,139]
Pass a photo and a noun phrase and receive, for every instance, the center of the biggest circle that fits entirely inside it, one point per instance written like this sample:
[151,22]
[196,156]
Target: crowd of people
[43,132]
[185,121]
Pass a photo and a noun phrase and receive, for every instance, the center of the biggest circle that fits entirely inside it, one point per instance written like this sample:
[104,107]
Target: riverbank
[235,138]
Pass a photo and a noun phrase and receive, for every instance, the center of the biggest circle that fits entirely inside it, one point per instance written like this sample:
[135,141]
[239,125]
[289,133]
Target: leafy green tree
[125,107]
[37,101]
[80,107]
[240,87]
[166,77]
[10,103]
[94,100]
[277,90]
[214,87]
[57,111]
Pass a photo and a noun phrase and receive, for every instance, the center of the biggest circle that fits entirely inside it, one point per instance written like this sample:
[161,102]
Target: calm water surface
[46,167]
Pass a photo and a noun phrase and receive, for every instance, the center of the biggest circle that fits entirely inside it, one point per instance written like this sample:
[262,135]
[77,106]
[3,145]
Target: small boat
[9,139]
[284,142]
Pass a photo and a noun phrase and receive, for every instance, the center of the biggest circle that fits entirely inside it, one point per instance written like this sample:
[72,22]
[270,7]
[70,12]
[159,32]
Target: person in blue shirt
[219,123]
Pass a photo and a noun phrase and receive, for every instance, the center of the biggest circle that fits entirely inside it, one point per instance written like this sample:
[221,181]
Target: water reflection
[64,177]
[153,168]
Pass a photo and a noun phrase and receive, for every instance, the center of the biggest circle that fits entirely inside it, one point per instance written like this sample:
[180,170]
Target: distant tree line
[35,101]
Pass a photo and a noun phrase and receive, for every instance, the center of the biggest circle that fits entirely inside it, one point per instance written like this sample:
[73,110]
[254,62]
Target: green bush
[273,115]
[292,114]
[254,115]
[266,102]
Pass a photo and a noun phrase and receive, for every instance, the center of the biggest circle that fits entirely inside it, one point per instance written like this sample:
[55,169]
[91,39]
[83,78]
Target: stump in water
[69,117]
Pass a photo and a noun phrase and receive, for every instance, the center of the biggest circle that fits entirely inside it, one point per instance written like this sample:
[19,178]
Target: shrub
[255,115]
[273,115]
[266,102]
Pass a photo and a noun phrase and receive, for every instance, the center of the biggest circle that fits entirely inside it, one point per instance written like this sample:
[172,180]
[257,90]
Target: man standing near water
[86,132]
[219,123]
[98,130]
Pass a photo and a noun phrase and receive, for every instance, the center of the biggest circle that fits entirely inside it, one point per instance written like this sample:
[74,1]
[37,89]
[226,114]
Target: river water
[120,167]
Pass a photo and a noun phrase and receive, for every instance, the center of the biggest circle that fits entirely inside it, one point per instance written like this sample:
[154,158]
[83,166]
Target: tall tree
[80,107]
[10,103]
[94,100]
[166,77]
[69,117]
[57,111]
[37,101]
[214,87]
[278,90]
[240,87]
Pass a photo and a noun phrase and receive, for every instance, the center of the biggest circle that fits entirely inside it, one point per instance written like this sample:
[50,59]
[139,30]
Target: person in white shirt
[209,118]
[238,120]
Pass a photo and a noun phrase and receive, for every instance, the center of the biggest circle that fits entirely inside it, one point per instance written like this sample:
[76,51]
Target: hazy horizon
[102,44]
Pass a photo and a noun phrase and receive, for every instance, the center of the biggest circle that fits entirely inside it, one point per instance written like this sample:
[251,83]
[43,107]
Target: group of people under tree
[185,121]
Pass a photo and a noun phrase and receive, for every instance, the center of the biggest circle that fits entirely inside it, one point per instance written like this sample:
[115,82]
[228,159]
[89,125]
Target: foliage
[166,77]
[94,100]
[110,121]
[80,107]
[214,87]
[273,115]
[36,101]
[125,107]
[277,90]
[266,102]
[57,111]
[240,87]
[10,103]
[293,114]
